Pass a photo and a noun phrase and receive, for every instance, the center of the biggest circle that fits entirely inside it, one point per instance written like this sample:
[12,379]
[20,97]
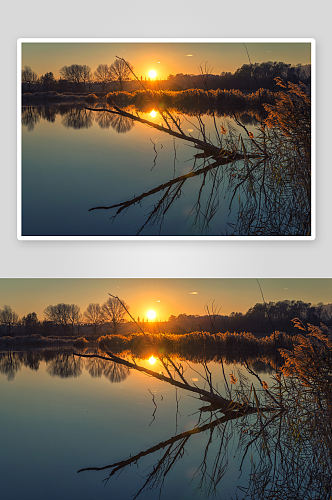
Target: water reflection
[77,118]
[64,365]
[30,117]
[98,367]
[60,364]
[9,365]
[120,124]
[268,180]
[233,177]
[284,451]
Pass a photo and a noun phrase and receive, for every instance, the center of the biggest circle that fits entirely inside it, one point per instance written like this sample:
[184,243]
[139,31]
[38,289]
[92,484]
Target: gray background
[159,18]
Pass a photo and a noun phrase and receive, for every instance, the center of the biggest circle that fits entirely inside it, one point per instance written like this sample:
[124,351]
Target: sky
[166,296]
[164,58]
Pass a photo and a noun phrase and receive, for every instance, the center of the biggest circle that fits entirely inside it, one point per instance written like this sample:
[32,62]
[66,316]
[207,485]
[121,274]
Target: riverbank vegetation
[98,320]
[268,172]
[119,76]
[284,425]
[265,175]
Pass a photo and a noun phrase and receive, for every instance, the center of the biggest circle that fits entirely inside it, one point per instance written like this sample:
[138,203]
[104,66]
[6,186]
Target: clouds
[193,293]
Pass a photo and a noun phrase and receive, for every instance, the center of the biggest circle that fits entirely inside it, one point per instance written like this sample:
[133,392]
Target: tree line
[249,77]
[67,319]
[78,75]
[259,319]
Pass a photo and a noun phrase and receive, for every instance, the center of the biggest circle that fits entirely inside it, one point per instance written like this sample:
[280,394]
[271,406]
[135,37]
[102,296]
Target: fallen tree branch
[219,403]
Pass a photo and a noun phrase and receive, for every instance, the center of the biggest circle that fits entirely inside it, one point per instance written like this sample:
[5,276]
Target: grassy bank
[188,101]
[196,345]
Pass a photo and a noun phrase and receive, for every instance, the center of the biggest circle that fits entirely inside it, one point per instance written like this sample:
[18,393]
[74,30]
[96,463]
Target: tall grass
[196,344]
[268,172]
[193,100]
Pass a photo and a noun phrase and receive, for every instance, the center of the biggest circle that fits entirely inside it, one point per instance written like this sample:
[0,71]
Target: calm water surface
[59,414]
[74,159]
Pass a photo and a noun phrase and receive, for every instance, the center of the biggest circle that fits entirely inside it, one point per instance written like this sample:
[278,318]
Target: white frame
[312,41]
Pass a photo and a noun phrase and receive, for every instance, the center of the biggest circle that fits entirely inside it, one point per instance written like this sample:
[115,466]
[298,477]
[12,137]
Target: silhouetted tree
[86,75]
[102,74]
[48,81]
[120,71]
[114,313]
[74,315]
[8,317]
[94,315]
[77,74]
[30,323]
[28,76]
[60,315]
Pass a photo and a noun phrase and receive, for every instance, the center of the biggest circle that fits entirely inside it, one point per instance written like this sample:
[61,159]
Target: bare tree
[120,71]
[114,312]
[28,76]
[94,315]
[8,317]
[73,315]
[30,323]
[102,74]
[86,75]
[79,322]
[76,73]
[59,315]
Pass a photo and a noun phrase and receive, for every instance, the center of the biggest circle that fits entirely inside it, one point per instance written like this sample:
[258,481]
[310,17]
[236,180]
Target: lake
[60,414]
[74,159]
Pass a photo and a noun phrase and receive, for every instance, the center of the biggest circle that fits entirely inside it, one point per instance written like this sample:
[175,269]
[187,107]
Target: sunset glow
[151,315]
[152,74]
[153,113]
[170,296]
[152,360]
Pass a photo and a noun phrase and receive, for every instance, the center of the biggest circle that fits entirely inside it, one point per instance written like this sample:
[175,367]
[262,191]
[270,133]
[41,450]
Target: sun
[153,113]
[152,360]
[151,314]
[152,74]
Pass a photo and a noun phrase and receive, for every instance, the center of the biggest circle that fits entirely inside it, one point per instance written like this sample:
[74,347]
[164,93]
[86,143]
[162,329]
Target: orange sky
[166,296]
[165,58]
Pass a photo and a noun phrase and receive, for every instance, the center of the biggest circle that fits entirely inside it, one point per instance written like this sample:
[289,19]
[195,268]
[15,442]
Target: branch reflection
[281,431]
[268,173]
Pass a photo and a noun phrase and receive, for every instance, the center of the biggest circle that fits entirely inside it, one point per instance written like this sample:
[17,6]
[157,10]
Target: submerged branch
[218,402]
[269,176]
[180,135]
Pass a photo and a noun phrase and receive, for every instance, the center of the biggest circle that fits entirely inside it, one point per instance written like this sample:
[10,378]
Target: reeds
[197,345]
[267,173]
[192,101]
